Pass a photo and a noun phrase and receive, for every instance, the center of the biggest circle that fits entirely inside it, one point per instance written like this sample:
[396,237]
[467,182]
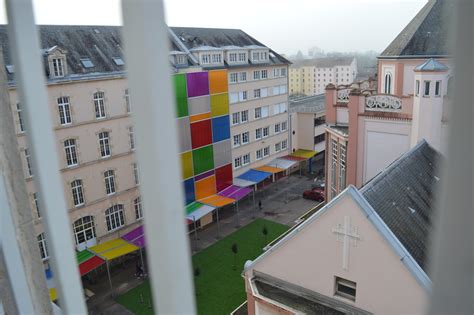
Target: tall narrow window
[36,204]
[259,154]
[28,163]
[266,132]
[427,88]
[284,144]
[137,204]
[236,118]
[246,159]
[135,173]
[99,104]
[20,118]
[64,109]
[70,150]
[114,217]
[131,135]
[258,133]
[109,178]
[244,116]
[438,88]
[266,151]
[238,162]
[236,141]
[42,246]
[333,168]
[258,113]
[417,87]
[58,67]
[388,83]
[77,192]
[127,101]
[104,144]
[342,167]
[245,137]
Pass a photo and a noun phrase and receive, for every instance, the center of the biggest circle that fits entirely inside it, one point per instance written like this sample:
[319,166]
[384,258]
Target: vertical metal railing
[146,49]
[29,71]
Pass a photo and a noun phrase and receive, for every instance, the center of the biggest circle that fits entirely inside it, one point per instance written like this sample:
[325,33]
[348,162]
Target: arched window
[114,217]
[42,246]
[388,83]
[84,229]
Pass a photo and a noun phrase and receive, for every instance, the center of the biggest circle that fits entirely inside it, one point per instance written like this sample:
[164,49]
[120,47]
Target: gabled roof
[325,62]
[398,202]
[431,65]
[426,34]
[403,196]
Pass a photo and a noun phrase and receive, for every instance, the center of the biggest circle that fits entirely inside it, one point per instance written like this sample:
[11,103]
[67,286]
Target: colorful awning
[282,163]
[217,201]
[255,176]
[200,212]
[306,154]
[235,192]
[242,182]
[294,158]
[88,261]
[193,206]
[270,169]
[136,237]
[113,249]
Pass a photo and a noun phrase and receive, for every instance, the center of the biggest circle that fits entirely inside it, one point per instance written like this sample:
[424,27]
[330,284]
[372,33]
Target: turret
[430,86]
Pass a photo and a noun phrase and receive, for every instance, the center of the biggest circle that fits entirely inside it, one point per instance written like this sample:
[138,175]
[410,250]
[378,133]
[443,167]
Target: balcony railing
[383,103]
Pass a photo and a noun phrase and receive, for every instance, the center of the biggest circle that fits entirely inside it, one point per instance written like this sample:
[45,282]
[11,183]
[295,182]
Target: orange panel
[199,117]
[217,201]
[205,187]
[218,81]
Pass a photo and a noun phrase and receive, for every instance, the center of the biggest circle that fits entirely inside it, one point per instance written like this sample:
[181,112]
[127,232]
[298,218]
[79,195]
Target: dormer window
[216,58]
[260,55]
[118,61]
[206,58]
[255,56]
[87,63]
[181,59]
[232,57]
[58,67]
[242,57]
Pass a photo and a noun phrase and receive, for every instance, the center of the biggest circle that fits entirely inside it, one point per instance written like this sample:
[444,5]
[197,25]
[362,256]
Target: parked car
[316,194]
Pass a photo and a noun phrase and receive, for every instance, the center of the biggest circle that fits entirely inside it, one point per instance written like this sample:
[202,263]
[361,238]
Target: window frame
[99,105]
[70,150]
[426,88]
[341,282]
[114,217]
[437,88]
[104,144]
[64,110]
[110,184]
[77,192]
[138,207]
[41,239]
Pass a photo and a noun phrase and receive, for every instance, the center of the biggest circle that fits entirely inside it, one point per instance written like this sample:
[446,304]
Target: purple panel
[133,234]
[235,192]
[203,175]
[140,242]
[198,84]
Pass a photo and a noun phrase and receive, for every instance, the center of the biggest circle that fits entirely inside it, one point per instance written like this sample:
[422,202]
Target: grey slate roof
[326,62]
[426,34]
[193,37]
[403,196]
[431,65]
[308,104]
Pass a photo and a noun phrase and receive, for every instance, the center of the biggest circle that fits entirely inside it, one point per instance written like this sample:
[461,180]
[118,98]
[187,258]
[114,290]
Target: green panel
[84,255]
[203,159]
[193,206]
[181,95]
[219,104]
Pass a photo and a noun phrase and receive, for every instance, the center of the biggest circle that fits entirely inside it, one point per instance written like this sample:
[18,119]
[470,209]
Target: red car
[316,194]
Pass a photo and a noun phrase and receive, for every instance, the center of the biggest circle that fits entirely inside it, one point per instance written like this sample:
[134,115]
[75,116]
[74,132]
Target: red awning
[90,265]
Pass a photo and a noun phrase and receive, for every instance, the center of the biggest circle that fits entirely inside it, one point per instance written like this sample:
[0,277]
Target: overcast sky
[284,25]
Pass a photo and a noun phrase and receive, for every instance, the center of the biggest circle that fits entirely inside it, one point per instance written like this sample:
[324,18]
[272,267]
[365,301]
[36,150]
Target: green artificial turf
[219,287]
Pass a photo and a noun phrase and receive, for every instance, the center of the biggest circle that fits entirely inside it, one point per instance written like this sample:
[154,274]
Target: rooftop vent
[10,69]
[118,61]
[87,63]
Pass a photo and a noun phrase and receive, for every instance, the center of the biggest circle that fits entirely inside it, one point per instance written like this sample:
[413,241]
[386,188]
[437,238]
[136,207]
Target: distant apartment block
[311,76]
[232,114]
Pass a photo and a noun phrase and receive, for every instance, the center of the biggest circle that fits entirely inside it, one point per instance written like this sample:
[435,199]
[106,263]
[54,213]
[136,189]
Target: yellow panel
[217,201]
[53,294]
[307,154]
[187,164]
[218,81]
[205,187]
[107,245]
[199,117]
[270,169]
[220,104]
[119,251]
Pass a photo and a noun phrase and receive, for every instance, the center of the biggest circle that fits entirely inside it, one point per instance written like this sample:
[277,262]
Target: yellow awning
[53,294]
[270,169]
[306,154]
[217,201]
[113,249]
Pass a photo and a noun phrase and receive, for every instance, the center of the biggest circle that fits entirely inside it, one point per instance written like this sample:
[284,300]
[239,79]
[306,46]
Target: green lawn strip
[219,288]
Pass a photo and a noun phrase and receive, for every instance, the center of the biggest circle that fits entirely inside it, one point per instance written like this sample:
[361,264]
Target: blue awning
[255,176]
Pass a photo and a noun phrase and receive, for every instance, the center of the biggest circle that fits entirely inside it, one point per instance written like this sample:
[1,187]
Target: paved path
[281,202]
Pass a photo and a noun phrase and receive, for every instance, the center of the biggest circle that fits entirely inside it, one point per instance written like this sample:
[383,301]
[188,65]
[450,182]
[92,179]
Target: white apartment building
[311,76]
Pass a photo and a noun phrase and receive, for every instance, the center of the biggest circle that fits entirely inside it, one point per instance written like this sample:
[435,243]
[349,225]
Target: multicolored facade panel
[204,132]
